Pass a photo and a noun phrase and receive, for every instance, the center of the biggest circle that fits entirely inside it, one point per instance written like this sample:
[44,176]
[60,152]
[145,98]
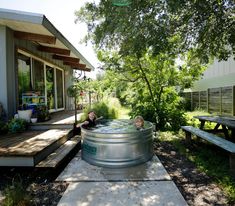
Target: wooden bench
[220,142]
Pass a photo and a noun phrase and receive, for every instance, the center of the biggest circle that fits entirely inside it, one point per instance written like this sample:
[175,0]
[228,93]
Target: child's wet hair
[139,118]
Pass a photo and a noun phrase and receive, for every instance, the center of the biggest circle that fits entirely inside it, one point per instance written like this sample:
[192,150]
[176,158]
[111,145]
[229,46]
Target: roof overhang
[36,27]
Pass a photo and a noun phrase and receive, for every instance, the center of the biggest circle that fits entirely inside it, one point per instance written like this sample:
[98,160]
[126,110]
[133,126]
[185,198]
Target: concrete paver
[146,193]
[147,185]
[80,170]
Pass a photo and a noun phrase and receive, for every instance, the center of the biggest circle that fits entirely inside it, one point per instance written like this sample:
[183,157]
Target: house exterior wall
[215,92]
[68,81]
[7,72]
[219,74]
[3,71]
[8,69]
[68,72]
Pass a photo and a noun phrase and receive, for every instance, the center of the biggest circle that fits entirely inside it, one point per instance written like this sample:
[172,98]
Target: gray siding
[3,71]
[8,69]
[218,74]
[7,72]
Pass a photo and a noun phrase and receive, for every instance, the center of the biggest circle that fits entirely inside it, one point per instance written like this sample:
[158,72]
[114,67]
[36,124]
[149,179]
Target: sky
[61,14]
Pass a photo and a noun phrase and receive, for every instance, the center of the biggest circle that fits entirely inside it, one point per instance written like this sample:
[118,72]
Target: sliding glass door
[24,76]
[60,88]
[50,87]
[40,82]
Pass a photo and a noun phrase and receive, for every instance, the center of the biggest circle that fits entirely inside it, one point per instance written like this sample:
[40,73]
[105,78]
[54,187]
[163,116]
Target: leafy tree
[208,26]
[143,40]
[75,91]
[153,84]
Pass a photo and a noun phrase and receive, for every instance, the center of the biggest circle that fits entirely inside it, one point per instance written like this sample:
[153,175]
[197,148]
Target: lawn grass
[123,113]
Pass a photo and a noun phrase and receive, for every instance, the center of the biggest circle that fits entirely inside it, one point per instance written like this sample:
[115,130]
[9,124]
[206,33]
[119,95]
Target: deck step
[31,147]
[55,158]
[43,126]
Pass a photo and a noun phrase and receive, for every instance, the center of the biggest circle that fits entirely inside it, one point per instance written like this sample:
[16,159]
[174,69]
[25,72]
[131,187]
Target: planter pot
[25,114]
[34,120]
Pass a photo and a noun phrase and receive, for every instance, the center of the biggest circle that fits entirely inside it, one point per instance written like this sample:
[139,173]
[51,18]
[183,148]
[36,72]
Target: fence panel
[214,100]
[195,100]
[227,100]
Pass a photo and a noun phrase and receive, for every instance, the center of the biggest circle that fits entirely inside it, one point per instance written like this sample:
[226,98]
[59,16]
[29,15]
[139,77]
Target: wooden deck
[45,144]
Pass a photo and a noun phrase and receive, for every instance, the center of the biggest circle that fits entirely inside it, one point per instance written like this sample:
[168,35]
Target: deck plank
[58,155]
[30,142]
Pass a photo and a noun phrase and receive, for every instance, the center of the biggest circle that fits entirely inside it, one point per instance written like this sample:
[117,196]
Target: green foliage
[17,125]
[141,43]
[109,109]
[195,122]
[23,107]
[207,158]
[3,127]
[75,89]
[42,113]
[172,26]
[16,194]
[151,85]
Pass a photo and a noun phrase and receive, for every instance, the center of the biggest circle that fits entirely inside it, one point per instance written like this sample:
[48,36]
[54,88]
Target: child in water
[90,120]
[139,122]
[88,123]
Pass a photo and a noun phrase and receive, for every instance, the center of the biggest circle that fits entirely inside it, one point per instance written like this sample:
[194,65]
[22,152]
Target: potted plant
[34,117]
[24,112]
[17,125]
[43,113]
[3,127]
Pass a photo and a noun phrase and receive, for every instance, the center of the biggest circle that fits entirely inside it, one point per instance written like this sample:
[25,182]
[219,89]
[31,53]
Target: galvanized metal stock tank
[117,143]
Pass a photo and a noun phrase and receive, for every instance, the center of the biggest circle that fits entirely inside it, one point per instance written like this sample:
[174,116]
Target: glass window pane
[24,76]
[59,87]
[38,81]
[50,87]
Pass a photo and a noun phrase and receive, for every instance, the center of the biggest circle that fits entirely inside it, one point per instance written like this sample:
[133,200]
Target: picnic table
[227,123]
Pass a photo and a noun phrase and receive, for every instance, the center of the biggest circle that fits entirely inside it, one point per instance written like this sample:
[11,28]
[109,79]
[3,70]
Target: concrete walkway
[146,185]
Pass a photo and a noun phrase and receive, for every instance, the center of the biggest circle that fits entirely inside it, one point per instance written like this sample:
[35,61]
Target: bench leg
[187,137]
[232,164]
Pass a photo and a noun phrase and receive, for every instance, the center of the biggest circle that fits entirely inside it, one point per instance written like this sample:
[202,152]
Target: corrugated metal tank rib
[116,150]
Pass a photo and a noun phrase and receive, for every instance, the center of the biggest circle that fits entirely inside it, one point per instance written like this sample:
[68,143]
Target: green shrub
[207,158]
[17,125]
[16,195]
[109,109]
[3,128]
[42,113]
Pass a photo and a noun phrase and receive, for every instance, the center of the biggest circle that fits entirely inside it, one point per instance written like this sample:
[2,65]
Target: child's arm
[101,117]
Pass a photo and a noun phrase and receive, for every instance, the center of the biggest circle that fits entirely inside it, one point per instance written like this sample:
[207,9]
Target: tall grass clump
[16,194]
[108,108]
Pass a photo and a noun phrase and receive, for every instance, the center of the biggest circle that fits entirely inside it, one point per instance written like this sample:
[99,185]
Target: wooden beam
[54,50]
[35,37]
[66,58]
[86,69]
[72,64]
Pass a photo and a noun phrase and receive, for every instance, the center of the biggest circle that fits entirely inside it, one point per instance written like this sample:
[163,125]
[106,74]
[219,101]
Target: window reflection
[59,88]
[50,87]
[24,76]
[39,84]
